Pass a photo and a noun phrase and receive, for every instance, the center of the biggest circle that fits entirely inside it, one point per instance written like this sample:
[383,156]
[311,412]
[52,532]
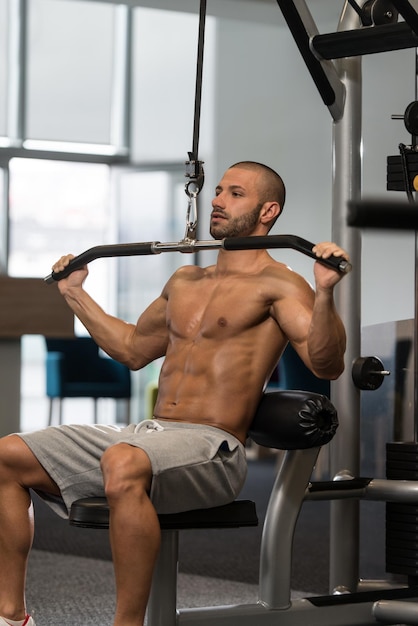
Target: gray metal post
[279,526]
[120,125]
[345,448]
[17,72]
[162,603]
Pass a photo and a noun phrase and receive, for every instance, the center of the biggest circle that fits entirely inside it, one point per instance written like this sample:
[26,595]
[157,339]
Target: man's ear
[269,212]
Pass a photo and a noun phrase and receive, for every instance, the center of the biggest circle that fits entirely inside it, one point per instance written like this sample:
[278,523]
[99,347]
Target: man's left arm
[309,318]
[326,340]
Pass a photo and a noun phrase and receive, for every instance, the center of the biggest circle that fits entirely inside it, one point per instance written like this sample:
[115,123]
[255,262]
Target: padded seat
[94,513]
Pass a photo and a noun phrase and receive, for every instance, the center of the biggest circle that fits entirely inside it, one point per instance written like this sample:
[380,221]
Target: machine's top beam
[319,50]
[324,74]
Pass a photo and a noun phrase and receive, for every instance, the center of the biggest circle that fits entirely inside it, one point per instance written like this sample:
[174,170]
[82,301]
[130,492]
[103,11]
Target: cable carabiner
[191,218]
[194,171]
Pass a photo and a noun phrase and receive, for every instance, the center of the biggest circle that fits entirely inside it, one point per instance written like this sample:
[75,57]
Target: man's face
[236,205]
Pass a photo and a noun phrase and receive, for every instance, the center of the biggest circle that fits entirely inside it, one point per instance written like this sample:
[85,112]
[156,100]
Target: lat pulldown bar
[230,243]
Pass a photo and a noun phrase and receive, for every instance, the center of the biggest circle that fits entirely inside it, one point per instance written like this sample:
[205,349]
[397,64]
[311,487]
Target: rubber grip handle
[286,241]
[99,252]
[384,214]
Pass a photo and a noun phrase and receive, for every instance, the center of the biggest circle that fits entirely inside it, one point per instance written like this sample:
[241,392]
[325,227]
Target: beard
[241,226]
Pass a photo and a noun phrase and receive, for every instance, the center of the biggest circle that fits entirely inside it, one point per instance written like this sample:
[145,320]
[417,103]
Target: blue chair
[75,369]
[292,373]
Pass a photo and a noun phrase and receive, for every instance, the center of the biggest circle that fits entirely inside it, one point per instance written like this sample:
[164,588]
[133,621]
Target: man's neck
[241,261]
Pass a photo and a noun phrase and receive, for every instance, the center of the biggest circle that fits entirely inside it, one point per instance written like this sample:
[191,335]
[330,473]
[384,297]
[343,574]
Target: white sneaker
[29,621]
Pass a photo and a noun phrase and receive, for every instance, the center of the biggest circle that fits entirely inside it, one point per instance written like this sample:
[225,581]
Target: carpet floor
[78,591]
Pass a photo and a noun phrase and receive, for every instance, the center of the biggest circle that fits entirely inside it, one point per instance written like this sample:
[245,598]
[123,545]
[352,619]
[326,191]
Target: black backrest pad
[294,420]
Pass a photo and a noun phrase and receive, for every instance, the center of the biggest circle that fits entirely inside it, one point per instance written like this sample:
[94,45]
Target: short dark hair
[273,188]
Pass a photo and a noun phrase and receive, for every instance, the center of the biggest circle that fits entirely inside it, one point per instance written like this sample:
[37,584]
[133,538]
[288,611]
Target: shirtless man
[222,330]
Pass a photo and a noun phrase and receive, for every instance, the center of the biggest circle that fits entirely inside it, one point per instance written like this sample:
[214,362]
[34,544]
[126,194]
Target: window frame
[16,143]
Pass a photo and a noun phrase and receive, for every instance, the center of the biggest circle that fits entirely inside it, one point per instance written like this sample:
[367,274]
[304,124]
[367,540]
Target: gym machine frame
[339,84]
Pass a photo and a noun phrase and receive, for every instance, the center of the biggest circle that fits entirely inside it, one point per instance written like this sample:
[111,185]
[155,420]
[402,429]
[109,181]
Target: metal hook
[191,218]
[194,171]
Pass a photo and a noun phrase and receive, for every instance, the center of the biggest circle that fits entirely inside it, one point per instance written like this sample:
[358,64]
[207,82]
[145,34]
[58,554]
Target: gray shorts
[194,466]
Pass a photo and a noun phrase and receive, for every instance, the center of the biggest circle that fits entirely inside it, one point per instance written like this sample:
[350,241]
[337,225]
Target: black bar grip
[359,42]
[384,214]
[99,252]
[286,241]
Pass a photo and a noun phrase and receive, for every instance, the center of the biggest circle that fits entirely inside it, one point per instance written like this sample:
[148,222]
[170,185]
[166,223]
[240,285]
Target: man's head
[248,201]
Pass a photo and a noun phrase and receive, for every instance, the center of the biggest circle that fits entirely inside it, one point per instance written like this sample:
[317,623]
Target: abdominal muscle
[218,384]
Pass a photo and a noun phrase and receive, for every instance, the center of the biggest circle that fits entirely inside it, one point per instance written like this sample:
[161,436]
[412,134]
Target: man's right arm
[134,345]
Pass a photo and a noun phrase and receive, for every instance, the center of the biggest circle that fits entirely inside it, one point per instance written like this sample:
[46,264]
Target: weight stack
[395,179]
[402,519]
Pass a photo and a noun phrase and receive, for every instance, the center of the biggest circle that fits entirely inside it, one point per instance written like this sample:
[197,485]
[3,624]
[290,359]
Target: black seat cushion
[94,513]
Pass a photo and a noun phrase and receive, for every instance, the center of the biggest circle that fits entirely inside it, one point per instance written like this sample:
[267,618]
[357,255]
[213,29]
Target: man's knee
[125,468]
[19,464]
[14,453]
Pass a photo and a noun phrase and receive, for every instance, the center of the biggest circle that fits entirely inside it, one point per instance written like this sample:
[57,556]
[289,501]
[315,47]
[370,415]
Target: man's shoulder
[278,269]
[283,277]
[191,272]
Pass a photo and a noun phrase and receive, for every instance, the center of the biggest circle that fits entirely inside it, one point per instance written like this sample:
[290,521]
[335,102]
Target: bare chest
[216,309]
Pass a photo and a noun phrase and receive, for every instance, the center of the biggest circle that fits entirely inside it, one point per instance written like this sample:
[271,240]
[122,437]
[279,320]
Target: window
[64,76]
[58,207]
[69,71]
[3,67]
[3,221]
[65,99]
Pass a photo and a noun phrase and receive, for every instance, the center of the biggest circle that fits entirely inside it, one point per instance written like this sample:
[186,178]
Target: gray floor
[77,591]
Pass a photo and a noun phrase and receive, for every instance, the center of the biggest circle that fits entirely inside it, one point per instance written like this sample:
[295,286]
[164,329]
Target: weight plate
[365,373]
[401,475]
[400,527]
[410,556]
[396,568]
[412,157]
[400,454]
[400,534]
[403,561]
[405,446]
[393,543]
[406,520]
[411,118]
[405,460]
[402,509]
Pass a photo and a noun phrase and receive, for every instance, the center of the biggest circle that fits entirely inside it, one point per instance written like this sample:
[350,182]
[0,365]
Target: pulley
[380,12]
[194,167]
[375,12]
